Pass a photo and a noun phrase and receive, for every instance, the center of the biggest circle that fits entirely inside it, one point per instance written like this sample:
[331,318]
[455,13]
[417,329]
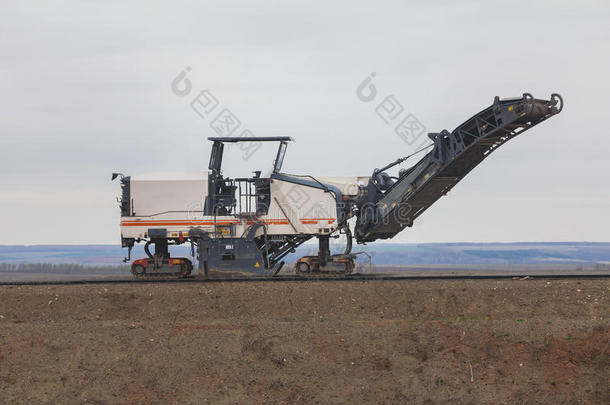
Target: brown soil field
[392,342]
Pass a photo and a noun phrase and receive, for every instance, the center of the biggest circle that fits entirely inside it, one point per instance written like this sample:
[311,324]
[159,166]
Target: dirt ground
[431,342]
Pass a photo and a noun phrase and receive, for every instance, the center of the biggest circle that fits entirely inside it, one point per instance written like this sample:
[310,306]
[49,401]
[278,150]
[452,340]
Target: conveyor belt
[452,157]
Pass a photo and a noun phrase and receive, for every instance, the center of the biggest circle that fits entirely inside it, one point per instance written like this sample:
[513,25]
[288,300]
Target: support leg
[161,252]
[161,248]
[324,249]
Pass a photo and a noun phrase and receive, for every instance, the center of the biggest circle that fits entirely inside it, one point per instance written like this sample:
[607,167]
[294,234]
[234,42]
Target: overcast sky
[85,90]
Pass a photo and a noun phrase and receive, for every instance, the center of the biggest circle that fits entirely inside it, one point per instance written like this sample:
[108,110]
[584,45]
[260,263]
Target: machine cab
[249,196]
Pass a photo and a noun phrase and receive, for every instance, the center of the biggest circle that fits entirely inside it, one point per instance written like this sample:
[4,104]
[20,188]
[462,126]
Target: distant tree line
[68,268]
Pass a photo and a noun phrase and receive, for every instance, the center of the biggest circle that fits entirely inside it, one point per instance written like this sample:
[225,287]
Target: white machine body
[175,201]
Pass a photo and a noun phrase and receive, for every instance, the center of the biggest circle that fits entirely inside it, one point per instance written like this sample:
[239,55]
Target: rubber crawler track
[311,278]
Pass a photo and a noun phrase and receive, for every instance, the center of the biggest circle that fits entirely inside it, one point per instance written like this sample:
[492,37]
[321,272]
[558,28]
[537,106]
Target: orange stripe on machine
[221,222]
[195,223]
[175,223]
[315,220]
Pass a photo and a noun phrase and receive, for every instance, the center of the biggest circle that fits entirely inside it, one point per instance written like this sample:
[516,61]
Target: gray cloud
[85,90]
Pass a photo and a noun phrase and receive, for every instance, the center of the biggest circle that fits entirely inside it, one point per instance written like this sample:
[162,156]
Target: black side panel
[230,255]
[157,233]
[126,197]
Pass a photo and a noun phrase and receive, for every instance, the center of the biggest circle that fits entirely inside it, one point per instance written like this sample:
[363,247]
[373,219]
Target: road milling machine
[250,224]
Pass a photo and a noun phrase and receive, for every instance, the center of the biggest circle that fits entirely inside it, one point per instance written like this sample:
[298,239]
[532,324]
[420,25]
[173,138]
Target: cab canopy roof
[251,139]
